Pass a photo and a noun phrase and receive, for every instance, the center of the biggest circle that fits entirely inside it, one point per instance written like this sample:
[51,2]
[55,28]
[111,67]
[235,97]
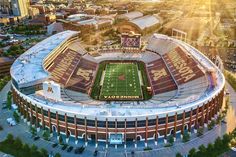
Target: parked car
[11,121]
[70,149]
[36,138]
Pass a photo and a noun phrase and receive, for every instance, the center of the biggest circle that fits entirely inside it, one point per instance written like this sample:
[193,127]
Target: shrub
[60,140]
[57,155]
[46,135]
[1,128]
[171,139]
[199,132]
[16,116]
[192,152]
[33,131]
[178,155]
[147,148]
[211,125]
[186,137]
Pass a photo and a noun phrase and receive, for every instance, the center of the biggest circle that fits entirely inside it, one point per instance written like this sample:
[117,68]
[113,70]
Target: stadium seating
[83,75]
[63,66]
[161,46]
[160,77]
[182,66]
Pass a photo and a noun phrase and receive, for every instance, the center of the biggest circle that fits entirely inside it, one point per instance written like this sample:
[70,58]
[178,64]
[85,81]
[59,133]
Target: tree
[33,149]
[186,137]
[10,138]
[210,149]
[192,152]
[57,155]
[9,102]
[171,139]
[60,140]
[17,143]
[218,144]
[26,147]
[46,135]
[33,131]
[202,148]
[200,132]
[44,152]
[16,116]
[178,155]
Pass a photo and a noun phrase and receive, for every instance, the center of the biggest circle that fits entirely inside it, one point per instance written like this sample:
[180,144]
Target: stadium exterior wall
[94,129]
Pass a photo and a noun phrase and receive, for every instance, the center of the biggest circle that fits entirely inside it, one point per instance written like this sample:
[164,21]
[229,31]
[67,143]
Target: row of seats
[82,78]
[63,66]
[160,77]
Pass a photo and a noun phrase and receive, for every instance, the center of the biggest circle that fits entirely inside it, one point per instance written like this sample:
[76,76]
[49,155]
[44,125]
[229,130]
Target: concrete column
[156,138]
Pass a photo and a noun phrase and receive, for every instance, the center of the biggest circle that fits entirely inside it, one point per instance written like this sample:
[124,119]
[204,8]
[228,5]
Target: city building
[5,65]
[130,15]
[141,25]
[20,8]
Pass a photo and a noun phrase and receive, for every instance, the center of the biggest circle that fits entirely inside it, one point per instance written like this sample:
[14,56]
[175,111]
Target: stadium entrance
[116,138]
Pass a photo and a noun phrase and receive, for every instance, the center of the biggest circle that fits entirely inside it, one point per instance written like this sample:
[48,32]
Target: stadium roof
[131,15]
[33,60]
[146,21]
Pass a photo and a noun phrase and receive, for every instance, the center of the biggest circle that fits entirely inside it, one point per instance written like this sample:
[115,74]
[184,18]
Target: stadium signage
[181,66]
[120,97]
[158,74]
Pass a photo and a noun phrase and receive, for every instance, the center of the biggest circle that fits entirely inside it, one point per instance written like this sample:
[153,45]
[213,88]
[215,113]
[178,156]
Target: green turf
[121,82]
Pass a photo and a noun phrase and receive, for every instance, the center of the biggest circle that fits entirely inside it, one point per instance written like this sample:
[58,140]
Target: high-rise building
[20,7]
[5,7]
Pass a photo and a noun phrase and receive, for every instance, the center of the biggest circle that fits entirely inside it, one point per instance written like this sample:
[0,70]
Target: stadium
[118,95]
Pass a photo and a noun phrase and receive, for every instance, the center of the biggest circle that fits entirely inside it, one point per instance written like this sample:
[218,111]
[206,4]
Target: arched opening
[154,135]
[54,128]
[68,133]
[83,136]
[139,137]
[186,127]
[172,132]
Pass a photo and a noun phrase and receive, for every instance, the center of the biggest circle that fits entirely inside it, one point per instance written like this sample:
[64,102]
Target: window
[179,116]
[53,115]
[80,121]
[171,119]
[91,123]
[101,123]
[141,123]
[162,121]
[61,117]
[45,113]
[151,122]
[70,119]
[111,124]
[121,124]
[130,124]
[187,114]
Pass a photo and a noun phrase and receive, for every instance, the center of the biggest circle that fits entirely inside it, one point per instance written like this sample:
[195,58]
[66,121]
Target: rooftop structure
[130,15]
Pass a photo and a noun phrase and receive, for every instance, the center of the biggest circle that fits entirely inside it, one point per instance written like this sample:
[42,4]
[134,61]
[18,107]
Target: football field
[121,82]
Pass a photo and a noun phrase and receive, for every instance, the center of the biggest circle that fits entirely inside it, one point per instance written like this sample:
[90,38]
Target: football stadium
[118,95]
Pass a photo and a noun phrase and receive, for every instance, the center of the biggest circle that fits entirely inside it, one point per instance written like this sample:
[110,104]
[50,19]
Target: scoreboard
[130,40]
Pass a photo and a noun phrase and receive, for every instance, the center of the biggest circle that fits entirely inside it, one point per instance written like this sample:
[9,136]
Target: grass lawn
[120,81]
